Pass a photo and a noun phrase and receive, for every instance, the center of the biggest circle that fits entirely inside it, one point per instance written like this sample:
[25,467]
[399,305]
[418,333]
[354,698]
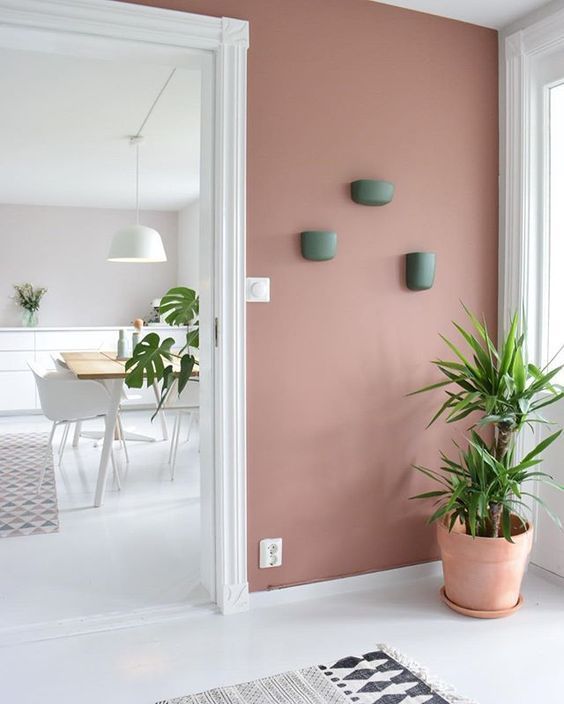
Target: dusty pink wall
[338,90]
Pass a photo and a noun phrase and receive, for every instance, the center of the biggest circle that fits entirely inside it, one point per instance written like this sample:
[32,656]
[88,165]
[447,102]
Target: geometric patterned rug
[383,676]
[23,511]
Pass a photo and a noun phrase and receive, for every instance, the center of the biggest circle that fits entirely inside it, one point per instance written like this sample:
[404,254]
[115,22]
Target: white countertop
[40,328]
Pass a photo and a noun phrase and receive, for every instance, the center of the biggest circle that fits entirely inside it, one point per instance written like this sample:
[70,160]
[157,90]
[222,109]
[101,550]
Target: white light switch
[258,290]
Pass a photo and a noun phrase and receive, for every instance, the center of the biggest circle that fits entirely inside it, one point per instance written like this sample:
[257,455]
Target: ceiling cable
[156,100]
[136,139]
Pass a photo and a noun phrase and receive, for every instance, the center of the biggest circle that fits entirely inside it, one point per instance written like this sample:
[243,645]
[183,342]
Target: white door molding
[230,219]
[522,243]
[524,264]
[105,27]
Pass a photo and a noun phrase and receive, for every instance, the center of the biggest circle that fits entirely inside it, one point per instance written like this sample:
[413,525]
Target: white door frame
[523,245]
[179,37]
[524,234]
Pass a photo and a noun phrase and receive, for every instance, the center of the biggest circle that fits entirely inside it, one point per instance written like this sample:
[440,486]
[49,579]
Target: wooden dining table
[105,367]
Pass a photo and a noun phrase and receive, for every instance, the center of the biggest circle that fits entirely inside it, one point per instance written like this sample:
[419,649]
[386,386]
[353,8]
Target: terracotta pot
[483,575]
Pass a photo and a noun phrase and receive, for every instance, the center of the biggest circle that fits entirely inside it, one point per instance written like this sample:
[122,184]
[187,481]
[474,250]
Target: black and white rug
[24,511]
[383,676]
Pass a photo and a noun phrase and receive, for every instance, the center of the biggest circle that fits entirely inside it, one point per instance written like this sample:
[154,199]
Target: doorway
[97,30]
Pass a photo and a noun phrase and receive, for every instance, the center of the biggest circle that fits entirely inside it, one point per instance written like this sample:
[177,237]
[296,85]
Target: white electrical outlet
[270,552]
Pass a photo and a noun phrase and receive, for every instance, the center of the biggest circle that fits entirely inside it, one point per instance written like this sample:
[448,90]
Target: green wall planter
[420,270]
[318,245]
[368,191]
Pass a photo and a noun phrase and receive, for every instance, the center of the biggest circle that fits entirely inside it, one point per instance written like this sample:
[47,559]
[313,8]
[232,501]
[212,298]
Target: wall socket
[270,553]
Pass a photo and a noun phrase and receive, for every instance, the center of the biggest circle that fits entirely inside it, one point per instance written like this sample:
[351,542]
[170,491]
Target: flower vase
[29,318]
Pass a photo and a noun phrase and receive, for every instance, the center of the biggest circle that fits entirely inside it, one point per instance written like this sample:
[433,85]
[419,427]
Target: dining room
[100,462]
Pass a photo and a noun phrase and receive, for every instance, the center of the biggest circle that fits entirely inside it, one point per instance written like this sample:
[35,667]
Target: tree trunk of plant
[495,515]
[504,436]
[503,440]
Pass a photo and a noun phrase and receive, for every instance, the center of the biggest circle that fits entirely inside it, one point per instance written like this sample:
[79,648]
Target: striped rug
[382,676]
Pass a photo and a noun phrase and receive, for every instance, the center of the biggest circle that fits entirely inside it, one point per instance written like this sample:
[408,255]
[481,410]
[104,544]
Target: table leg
[114,387]
[162,415]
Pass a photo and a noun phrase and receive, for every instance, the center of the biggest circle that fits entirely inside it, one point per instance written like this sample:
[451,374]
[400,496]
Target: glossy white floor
[511,661]
[138,551]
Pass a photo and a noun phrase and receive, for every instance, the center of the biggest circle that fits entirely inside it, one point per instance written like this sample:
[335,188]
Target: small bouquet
[29,299]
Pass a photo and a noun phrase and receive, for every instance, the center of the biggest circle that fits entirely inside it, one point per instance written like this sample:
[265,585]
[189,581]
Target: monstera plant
[154,360]
[481,510]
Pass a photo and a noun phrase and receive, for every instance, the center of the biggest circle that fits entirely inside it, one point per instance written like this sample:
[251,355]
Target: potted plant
[152,358]
[483,528]
[29,299]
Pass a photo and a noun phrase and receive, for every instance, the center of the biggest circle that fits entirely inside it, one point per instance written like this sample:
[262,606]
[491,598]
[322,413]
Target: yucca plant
[152,359]
[484,487]
[483,492]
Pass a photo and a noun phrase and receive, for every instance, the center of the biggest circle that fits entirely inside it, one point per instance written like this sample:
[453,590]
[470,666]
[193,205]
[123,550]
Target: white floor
[139,550]
[510,661]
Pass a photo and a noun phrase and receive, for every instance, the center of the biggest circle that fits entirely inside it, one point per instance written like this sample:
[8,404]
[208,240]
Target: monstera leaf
[151,361]
[193,338]
[186,367]
[179,306]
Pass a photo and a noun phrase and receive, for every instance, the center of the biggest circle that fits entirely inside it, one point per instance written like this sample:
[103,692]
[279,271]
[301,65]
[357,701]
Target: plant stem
[504,436]
[495,515]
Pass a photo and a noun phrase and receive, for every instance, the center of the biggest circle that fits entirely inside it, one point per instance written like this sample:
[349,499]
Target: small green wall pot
[420,270]
[318,245]
[368,191]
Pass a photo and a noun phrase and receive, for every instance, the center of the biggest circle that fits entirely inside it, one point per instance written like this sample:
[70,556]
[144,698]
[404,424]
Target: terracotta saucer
[480,614]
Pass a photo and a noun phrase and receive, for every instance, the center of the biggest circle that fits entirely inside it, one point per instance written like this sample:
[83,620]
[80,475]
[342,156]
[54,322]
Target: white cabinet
[17,386]
[17,392]
[17,340]
[15,361]
[76,341]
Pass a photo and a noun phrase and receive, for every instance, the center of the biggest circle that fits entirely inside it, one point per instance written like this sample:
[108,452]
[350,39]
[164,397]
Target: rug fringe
[441,688]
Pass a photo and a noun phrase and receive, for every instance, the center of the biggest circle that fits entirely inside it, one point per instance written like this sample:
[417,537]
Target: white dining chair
[185,404]
[64,399]
[62,366]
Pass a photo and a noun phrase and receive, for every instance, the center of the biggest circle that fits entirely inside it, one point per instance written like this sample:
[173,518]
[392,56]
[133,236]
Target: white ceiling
[64,123]
[488,13]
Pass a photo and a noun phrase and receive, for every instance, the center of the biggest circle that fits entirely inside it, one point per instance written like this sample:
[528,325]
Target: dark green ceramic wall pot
[318,245]
[420,270]
[368,191]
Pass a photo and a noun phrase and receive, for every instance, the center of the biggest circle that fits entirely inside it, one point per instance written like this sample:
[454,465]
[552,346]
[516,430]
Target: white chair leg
[116,470]
[64,439]
[190,422]
[174,445]
[47,457]
[174,429]
[162,414]
[121,437]
[77,431]
[176,442]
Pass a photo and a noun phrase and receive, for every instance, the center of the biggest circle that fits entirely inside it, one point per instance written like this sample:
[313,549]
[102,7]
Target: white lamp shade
[137,243]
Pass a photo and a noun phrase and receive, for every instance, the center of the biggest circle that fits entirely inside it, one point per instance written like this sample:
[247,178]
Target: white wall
[189,246]
[65,250]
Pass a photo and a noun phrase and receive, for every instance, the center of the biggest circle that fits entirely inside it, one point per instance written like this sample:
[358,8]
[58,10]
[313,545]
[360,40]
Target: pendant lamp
[137,243]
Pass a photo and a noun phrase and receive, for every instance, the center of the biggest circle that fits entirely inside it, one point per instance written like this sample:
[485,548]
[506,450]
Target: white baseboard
[543,572]
[344,585]
[64,628]
[97,623]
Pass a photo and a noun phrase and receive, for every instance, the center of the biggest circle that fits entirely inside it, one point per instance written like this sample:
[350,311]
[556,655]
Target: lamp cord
[137,184]
[155,101]
[136,139]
